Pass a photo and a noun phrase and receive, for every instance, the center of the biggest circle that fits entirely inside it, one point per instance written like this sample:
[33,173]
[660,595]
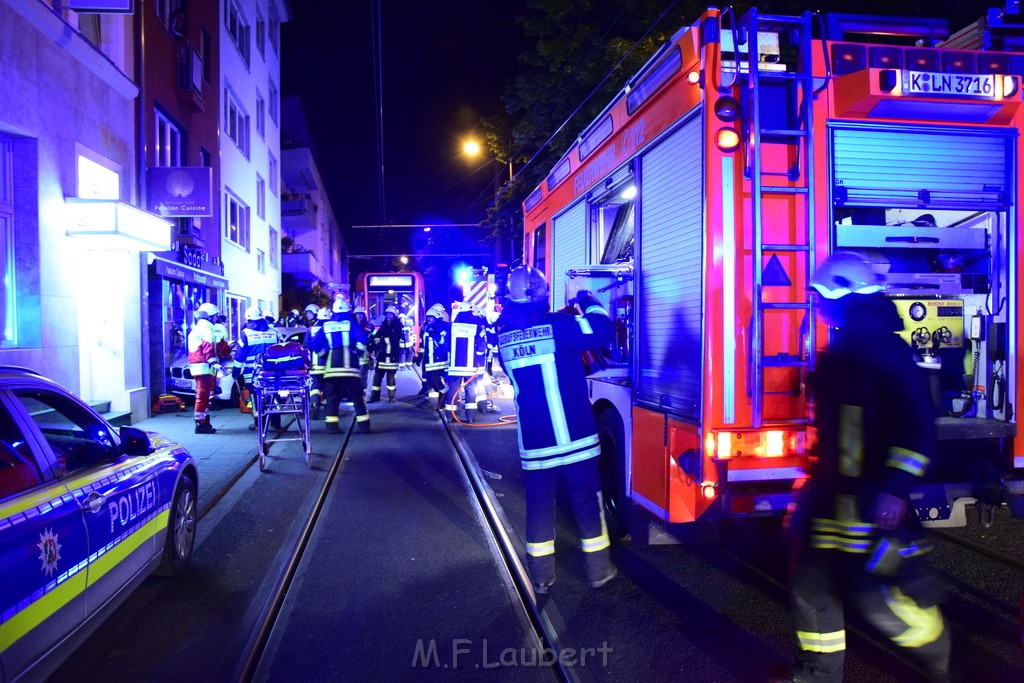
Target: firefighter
[434,354]
[316,393]
[341,341]
[856,536]
[406,352]
[366,359]
[540,352]
[309,314]
[387,343]
[203,363]
[256,337]
[467,354]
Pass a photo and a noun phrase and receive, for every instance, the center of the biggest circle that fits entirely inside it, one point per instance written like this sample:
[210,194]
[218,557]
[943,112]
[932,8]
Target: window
[169,142]
[261,32]
[275,28]
[19,470]
[236,220]
[205,158]
[273,104]
[236,122]
[261,114]
[275,248]
[7,273]
[261,196]
[77,438]
[165,11]
[238,30]
[540,248]
[272,163]
[89,27]
[206,51]
[261,261]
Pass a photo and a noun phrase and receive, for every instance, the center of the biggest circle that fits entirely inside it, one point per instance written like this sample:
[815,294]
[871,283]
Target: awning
[180,271]
[108,224]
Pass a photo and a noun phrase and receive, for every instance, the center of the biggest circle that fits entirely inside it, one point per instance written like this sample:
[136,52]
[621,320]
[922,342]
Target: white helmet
[359,309]
[207,310]
[846,272]
[312,308]
[341,306]
[526,284]
[438,311]
[391,309]
[323,313]
[295,311]
[253,313]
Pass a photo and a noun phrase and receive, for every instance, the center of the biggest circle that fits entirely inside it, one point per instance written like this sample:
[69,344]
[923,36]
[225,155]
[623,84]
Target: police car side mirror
[134,441]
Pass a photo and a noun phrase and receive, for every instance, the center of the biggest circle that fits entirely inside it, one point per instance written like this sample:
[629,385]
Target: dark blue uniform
[540,352]
[340,342]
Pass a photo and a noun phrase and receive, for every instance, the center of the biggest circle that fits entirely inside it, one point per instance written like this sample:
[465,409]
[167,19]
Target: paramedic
[203,363]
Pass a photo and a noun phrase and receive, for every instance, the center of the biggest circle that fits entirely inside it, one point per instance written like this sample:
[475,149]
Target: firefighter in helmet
[340,342]
[387,344]
[540,352]
[204,363]
[309,315]
[316,373]
[433,356]
[256,337]
[856,535]
[366,359]
[467,356]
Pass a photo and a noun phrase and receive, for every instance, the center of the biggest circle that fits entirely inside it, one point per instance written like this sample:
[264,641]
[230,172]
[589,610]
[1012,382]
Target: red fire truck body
[698,203]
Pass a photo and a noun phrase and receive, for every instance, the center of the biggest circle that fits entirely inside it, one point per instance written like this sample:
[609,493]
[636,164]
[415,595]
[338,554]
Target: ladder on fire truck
[799,91]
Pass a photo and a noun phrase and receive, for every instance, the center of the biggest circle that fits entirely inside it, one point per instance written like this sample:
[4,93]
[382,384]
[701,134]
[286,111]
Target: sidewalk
[219,456]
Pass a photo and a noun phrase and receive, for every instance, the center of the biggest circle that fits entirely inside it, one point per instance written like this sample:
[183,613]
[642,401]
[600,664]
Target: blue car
[86,513]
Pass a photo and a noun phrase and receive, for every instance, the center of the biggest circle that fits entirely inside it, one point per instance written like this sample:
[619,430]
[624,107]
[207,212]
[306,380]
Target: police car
[86,513]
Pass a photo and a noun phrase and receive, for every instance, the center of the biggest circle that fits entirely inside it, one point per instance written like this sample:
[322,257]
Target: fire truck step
[784,247]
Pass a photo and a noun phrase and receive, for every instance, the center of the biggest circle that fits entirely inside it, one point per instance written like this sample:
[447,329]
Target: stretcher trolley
[281,385]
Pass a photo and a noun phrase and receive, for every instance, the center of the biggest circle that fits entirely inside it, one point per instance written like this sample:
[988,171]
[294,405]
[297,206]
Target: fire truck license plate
[981,86]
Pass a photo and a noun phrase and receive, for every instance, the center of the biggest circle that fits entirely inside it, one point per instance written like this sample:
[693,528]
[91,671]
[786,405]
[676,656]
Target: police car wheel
[181,529]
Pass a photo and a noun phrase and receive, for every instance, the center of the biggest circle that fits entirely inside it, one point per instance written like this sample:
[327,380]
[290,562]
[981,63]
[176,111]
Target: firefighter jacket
[875,422]
[387,342]
[341,340]
[467,345]
[220,344]
[256,337]
[540,352]
[365,359]
[202,348]
[435,346]
[307,342]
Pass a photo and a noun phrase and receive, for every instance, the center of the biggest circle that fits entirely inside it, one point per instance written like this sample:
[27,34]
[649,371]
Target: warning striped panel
[474,293]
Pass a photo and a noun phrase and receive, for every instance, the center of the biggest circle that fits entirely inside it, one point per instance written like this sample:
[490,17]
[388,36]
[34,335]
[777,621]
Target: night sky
[445,65]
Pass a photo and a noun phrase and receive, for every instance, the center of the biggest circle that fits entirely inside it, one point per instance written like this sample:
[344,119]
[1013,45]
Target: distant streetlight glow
[404,260]
[471,148]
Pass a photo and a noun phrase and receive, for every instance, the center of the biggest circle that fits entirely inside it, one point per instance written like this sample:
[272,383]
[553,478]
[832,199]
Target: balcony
[303,265]
[298,212]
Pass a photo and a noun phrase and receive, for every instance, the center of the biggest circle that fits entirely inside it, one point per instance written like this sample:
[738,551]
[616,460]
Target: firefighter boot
[203,426]
[469,413]
[374,395]
[599,568]
[542,572]
[391,394]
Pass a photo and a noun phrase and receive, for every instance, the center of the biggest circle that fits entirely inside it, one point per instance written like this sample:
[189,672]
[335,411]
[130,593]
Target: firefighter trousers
[338,389]
[581,483]
[378,376]
[205,385]
[470,391]
[904,609]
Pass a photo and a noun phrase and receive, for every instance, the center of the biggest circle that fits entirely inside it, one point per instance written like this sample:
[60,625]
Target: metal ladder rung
[786,362]
[784,132]
[784,247]
[785,305]
[782,189]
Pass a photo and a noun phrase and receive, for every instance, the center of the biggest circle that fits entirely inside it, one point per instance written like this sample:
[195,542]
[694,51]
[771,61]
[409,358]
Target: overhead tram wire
[378,94]
[598,86]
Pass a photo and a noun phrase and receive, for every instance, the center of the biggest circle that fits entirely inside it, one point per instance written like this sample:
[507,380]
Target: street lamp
[471,148]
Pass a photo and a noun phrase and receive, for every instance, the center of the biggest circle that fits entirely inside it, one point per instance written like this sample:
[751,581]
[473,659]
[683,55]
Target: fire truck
[697,204]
